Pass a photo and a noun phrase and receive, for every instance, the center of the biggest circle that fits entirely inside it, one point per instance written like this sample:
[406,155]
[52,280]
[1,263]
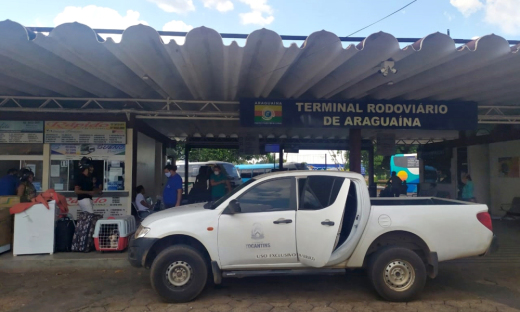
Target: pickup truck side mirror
[234,207]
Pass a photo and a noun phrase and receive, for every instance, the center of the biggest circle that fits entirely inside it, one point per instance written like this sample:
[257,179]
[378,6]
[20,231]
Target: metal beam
[187,109]
[182,109]
[244,36]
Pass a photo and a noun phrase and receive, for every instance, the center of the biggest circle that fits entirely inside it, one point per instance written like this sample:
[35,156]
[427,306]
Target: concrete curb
[11,264]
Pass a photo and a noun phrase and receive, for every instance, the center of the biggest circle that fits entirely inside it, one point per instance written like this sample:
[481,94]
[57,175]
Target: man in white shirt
[140,202]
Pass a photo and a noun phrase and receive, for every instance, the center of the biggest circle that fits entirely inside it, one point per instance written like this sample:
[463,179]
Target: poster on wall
[21,131]
[509,167]
[88,149]
[105,206]
[85,132]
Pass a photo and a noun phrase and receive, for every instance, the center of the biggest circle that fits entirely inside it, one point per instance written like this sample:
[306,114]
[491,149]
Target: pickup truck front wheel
[179,274]
[398,274]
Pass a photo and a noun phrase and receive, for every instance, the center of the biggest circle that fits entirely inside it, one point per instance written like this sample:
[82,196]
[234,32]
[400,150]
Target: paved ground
[477,284]
[460,287]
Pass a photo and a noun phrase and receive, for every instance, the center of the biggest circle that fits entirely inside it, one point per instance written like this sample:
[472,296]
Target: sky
[464,18]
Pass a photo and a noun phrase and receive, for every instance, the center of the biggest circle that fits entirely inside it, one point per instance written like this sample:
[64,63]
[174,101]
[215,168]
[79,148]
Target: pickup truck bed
[414,201]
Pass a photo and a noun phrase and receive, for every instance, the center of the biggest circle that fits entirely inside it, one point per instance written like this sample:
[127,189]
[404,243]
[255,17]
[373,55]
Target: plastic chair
[137,212]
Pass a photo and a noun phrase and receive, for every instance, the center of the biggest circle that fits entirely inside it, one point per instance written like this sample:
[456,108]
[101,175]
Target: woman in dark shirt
[26,190]
[84,187]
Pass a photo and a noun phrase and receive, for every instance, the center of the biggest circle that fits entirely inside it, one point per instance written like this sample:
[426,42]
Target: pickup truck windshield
[215,204]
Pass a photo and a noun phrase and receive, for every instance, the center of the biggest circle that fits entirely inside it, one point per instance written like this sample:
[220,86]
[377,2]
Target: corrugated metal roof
[72,62]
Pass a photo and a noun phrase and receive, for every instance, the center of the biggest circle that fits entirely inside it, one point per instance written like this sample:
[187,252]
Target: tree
[340,159]
[208,154]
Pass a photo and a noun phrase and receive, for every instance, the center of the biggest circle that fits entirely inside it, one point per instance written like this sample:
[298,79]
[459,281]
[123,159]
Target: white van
[193,170]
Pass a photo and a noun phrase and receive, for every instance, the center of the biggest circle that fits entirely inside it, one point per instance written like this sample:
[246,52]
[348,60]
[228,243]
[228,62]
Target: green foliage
[209,154]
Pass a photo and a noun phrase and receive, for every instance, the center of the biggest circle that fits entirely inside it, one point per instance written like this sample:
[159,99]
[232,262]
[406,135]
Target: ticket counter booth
[109,175]
[105,144]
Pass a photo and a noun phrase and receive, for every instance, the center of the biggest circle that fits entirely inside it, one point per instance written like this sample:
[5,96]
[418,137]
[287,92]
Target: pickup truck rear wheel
[179,274]
[398,274]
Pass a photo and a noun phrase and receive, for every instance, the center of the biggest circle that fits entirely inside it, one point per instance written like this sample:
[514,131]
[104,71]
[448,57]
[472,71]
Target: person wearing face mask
[219,183]
[172,194]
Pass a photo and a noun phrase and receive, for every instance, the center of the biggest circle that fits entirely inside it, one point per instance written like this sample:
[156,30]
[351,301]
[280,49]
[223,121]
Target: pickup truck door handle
[327,222]
[280,221]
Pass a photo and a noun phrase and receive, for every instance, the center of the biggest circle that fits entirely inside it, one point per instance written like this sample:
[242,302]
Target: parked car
[193,170]
[301,222]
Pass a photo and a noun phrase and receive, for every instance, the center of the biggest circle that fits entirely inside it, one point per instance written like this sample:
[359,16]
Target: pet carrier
[112,234]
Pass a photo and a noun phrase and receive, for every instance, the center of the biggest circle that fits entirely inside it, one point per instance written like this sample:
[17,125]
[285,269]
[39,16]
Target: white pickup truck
[305,222]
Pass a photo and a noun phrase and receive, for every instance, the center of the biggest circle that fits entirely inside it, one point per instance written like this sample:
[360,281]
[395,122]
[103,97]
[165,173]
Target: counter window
[107,174]
[36,166]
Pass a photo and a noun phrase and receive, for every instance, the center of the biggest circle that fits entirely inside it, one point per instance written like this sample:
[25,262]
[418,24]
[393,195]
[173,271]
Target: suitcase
[64,234]
[83,240]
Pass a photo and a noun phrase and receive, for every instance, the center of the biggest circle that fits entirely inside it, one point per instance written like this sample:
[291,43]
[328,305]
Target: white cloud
[175,6]
[219,5]
[176,26]
[504,14]
[448,16]
[261,13]
[467,7]
[99,17]
[501,13]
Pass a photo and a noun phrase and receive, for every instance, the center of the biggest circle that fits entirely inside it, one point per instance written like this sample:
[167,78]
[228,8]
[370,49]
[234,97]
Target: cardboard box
[6,220]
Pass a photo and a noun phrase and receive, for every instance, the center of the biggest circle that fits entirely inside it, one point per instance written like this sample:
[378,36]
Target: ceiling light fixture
[387,67]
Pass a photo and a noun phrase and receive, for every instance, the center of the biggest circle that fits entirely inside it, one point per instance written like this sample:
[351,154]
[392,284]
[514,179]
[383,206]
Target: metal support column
[355,150]
[280,158]
[186,169]
[372,187]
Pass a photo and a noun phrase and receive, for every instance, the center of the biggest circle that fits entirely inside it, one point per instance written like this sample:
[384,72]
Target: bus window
[231,170]
[194,170]
[246,174]
[180,171]
[257,172]
[301,166]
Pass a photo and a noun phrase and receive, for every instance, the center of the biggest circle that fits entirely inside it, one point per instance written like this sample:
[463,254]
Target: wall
[145,175]
[159,165]
[479,163]
[503,190]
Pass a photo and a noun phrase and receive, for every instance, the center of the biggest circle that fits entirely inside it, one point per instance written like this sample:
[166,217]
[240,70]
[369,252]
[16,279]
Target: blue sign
[21,131]
[292,113]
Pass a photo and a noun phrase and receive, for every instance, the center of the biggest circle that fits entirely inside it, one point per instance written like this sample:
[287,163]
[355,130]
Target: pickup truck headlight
[141,231]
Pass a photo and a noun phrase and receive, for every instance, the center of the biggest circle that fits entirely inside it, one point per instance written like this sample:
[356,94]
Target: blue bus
[407,168]
[249,171]
[334,167]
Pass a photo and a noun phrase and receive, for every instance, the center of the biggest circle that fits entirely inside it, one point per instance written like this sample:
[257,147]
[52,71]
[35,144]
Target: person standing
[172,193]
[26,189]
[467,190]
[95,180]
[9,183]
[84,188]
[396,184]
[219,183]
